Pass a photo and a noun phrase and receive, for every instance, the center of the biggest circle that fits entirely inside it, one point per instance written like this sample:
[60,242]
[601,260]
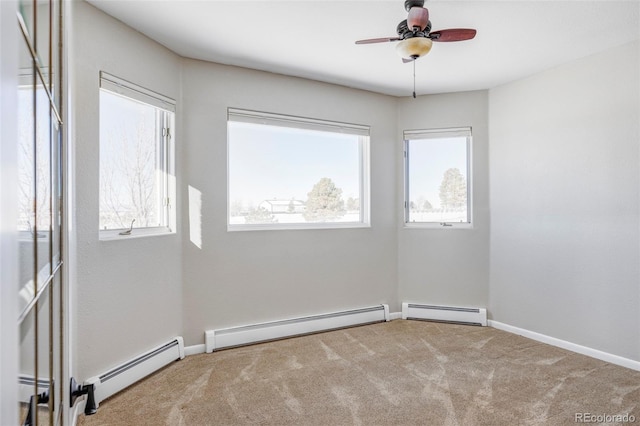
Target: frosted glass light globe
[414,47]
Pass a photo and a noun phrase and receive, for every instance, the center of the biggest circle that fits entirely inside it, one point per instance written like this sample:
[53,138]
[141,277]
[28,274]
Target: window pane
[131,175]
[33,160]
[27,236]
[285,175]
[437,180]
[43,195]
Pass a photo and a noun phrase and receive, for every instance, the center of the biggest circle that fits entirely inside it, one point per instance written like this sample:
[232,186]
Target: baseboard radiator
[255,333]
[26,384]
[126,374]
[449,314]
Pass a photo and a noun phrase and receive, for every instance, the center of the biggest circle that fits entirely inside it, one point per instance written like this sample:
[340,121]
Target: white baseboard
[395,316]
[25,386]
[573,347]
[124,375]
[201,349]
[441,313]
[262,332]
[194,350]
[75,412]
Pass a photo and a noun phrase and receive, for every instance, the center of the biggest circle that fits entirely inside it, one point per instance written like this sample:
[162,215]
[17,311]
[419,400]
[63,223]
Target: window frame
[165,109]
[435,133]
[312,124]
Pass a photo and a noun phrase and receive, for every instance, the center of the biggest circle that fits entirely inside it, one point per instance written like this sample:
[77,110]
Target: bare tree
[128,178]
[34,176]
[353,204]
[236,208]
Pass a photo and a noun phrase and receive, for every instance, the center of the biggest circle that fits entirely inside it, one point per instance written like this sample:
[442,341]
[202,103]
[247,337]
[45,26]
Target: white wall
[447,266]
[247,277]
[564,202]
[128,292]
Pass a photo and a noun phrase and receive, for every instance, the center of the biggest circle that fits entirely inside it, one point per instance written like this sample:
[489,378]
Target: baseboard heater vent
[255,333]
[449,314]
[124,375]
[26,384]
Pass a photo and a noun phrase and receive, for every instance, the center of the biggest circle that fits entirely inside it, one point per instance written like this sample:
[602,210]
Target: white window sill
[115,234]
[28,236]
[297,226]
[437,225]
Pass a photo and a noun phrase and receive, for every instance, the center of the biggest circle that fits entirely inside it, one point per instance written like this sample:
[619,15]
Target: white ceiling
[315,39]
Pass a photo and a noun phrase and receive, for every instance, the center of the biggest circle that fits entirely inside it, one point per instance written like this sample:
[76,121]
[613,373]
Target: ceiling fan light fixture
[414,47]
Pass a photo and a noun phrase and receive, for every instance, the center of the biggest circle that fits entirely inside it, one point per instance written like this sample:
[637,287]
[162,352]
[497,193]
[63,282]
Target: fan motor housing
[408,4]
[403,30]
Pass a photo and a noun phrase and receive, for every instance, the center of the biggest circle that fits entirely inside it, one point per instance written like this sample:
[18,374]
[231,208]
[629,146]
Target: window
[438,177]
[34,166]
[137,187]
[290,172]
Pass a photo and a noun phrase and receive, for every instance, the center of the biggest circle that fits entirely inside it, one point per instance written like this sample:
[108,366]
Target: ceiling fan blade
[418,17]
[453,34]
[378,40]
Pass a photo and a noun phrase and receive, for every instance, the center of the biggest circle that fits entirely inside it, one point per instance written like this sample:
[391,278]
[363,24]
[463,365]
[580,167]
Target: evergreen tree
[260,215]
[453,190]
[324,202]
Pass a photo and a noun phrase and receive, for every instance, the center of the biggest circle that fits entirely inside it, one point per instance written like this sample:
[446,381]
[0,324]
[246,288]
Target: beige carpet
[396,373]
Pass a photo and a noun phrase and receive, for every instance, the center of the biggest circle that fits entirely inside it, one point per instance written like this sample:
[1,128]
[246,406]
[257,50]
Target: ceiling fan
[415,35]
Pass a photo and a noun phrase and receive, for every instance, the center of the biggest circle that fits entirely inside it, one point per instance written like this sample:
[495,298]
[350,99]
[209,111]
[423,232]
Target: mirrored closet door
[40,199]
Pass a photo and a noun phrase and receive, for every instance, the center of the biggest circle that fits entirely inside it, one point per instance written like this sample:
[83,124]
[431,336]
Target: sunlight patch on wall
[195,216]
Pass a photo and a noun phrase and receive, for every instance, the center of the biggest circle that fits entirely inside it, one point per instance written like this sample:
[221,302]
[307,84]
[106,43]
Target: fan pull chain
[414,79]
